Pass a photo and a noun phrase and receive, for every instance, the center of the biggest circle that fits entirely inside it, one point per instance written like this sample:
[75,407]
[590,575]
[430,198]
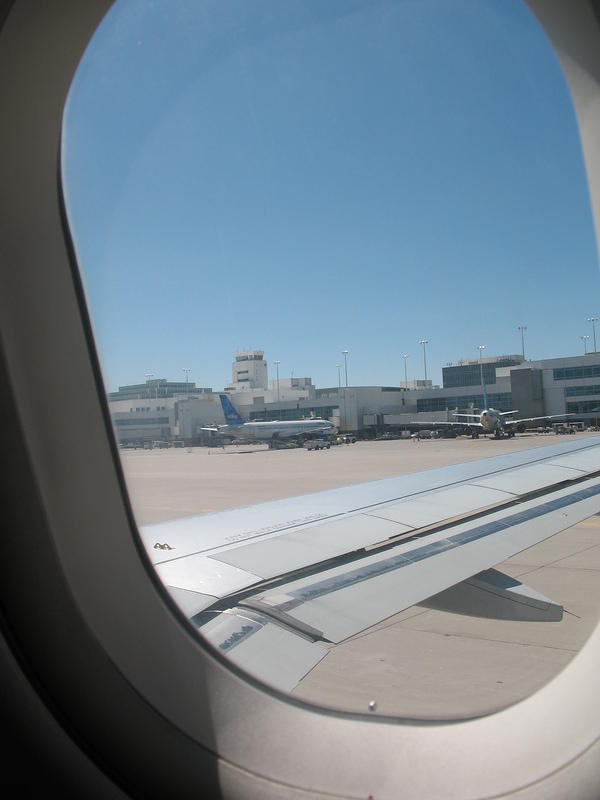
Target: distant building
[418,383]
[468,372]
[146,412]
[291,389]
[566,385]
[159,409]
[250,382]
[156,388]
[248,371]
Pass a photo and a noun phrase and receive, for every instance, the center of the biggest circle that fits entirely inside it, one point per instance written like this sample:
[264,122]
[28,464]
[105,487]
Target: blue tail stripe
[231,415]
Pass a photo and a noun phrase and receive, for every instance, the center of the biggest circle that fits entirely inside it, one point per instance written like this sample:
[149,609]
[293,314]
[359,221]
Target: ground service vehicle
[317,444]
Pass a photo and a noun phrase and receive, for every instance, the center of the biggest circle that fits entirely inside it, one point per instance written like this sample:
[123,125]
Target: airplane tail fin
[232,417]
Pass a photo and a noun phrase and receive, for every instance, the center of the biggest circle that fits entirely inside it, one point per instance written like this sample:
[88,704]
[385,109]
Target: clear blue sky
[304,177]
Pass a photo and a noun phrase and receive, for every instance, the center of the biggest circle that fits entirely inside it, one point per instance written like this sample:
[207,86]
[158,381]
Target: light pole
[481,348]
[593,320]
[148,376]
[345,354]
[522,328]
[277,363]
[405,356]
[187,371]
[424,342]
[584,340]
[339,366]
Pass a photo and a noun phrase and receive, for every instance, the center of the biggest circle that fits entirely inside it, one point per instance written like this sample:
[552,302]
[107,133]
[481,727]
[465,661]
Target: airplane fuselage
[491,420]
[286,429]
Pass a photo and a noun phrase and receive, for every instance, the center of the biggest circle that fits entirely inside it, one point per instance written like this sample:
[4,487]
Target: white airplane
[500,423]
[490,420]
[236,427]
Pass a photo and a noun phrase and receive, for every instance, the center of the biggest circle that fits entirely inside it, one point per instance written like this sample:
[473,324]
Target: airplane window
[351,481]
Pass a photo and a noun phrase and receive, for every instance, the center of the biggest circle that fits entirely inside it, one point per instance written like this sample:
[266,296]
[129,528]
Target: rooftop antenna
[523,328]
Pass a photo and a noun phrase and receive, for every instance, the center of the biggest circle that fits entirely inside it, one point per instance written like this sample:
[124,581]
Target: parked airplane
[490,420]
[500,423]
[299,429]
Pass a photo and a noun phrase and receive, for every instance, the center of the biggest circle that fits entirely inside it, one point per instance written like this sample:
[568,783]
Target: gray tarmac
[177,482]
[422,663]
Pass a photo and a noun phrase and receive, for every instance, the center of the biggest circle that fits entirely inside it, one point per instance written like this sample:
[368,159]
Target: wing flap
[528,479]
[583,460]
[434,507]
[265,649]
[190,602]
[198,573]
[292,551]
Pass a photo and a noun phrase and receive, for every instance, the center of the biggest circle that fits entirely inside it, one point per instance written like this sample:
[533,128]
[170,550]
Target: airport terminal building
[171,411]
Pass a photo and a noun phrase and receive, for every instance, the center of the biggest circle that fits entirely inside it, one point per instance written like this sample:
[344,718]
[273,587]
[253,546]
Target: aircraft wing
[445,424]
[222,430]
[537,419]
[274,585]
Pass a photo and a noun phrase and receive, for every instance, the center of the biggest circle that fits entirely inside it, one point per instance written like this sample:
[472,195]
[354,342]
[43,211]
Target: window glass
[327,248]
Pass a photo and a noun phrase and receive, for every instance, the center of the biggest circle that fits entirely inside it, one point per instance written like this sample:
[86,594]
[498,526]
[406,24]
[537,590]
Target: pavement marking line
[474,637]
[562,558]
[389,624]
